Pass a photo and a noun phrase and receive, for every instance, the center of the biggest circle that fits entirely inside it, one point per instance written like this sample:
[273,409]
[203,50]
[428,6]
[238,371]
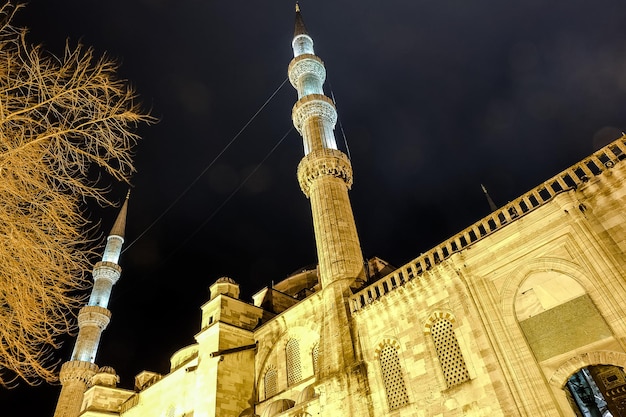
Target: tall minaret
[325,173]
[325,176]
[93,318]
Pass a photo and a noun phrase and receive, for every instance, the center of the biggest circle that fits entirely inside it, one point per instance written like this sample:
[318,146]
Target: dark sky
[435,98]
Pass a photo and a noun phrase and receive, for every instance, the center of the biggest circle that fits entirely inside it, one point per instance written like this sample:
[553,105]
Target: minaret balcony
[324,163]
[77,371]
[306,64]
[94,316]
[107,270]
[313,105]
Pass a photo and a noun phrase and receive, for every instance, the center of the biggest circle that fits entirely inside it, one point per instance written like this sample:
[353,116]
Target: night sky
[435,98]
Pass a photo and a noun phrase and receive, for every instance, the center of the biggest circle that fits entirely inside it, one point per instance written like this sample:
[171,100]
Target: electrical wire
[232,194]
[204,171]
[345,139]
[119,294]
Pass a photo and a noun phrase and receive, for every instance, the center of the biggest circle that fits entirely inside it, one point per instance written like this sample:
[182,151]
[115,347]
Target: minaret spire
[300,28]
[93,318]
[492,205]
[119,227]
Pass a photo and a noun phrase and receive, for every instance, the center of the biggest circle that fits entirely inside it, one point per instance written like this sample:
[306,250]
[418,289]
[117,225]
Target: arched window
[449,353]
[294,365]
[392,377]
[271,382]
[315,353]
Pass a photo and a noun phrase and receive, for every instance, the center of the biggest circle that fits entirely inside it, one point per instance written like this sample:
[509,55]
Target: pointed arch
[512,284]
[388,341]
[273,352]
[574,364]
[436,315]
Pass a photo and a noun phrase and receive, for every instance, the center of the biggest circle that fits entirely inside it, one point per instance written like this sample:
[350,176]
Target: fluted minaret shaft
[325,173]
[76,374]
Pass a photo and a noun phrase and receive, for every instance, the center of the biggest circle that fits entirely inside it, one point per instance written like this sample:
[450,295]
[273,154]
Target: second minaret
[93,318]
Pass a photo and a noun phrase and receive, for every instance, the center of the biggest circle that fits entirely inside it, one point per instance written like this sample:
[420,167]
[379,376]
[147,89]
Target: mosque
[520,314]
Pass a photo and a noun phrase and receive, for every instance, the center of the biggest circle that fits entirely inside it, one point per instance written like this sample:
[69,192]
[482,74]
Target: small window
[392,377]
[294,365]
[449,353]
[271,383]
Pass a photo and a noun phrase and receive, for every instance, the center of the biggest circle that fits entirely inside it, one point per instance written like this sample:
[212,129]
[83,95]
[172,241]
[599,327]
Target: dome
[303,279]
[105,377]
[248,412]
[278,407]
[226,286]
[307,394]
[225,280]
[106,370]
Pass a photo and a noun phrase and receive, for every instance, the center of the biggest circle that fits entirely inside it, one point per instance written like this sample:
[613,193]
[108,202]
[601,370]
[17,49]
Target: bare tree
[65,134]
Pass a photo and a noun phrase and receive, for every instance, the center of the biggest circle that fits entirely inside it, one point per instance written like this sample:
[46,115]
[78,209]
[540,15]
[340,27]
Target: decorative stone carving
[574,364]
[304,64]
[94,316]
[107,270]
[323,162]
[313,105]
[77,371]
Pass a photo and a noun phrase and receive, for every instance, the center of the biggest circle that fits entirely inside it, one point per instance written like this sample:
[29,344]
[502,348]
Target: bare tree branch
[64,122]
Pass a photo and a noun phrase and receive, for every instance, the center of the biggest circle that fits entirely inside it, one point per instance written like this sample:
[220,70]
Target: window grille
[392,378]
[315,353]
[271,383]
[449,353]
[294,365]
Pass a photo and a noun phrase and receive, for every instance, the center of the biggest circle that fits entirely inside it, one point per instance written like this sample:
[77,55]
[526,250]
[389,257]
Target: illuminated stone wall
[551,264]
[491,324]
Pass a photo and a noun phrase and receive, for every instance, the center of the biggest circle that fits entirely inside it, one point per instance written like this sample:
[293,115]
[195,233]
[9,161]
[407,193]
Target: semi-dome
[226,286]
[225,280]
[248,412]
[299,284]
[307,394]
[107,370]
[105,377]
[278,407]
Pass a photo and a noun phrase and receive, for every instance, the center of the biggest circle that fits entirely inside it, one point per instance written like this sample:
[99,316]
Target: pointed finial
[492,205]
[119,226]
[300,28]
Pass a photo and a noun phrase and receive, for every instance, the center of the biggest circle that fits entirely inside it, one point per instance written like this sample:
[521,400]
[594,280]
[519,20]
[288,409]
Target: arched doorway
[597,391]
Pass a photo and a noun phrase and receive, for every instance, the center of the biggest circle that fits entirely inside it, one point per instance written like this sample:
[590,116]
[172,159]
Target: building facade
[521,314]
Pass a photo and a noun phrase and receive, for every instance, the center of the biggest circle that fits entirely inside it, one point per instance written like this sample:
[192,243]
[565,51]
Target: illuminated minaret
[325,176]
[325,173]
[93,318]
